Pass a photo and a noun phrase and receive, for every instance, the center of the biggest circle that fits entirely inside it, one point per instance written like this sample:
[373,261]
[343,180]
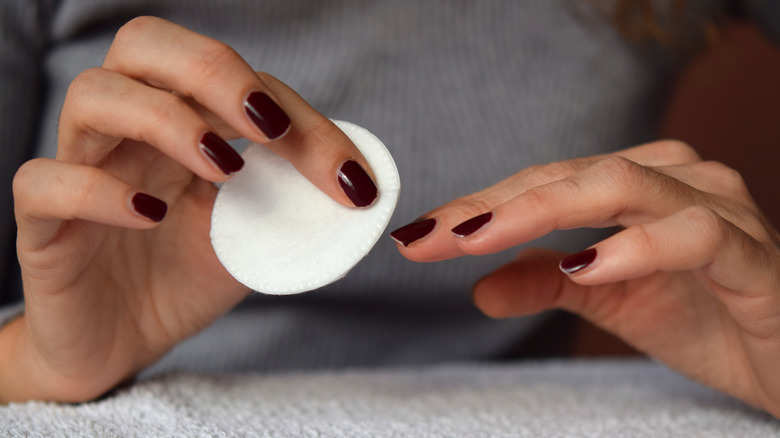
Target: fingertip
[148,207]
[266,115]
[357,184]
[413,233]
[472,226]
[476,236]
[220,155]
[579,262]
[493,305]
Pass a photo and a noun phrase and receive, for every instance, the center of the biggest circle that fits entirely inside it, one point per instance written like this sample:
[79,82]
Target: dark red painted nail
[470,226]
[149,206]
[224,156]
[577,262]
[414,231]
[358,186]
[266,115]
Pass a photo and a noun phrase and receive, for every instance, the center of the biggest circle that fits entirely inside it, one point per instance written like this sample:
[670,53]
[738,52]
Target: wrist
[13,379]
[24,376]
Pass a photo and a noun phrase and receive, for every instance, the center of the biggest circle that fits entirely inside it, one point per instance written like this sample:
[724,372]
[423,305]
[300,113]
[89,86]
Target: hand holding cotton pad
[277,233]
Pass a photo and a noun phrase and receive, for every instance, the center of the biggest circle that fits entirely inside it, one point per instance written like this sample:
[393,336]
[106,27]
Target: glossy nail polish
[266,115]
[414,231]
[357,185]
[221,154]
[149,206]
[577,262]
[470,226]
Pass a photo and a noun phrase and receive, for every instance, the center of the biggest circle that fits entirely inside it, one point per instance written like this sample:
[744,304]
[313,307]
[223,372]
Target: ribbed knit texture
[463,93]
[22,40]
[591,399]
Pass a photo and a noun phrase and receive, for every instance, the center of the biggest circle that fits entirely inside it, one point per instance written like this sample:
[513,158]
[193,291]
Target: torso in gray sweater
[463,93]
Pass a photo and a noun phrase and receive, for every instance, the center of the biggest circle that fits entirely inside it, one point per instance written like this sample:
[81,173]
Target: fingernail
[266,115]
[149,206]
[577,262]
[414,231]
[221,154]
[357,185]
[470,226]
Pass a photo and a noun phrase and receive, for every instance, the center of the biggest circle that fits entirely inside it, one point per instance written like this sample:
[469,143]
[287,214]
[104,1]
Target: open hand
[693,279]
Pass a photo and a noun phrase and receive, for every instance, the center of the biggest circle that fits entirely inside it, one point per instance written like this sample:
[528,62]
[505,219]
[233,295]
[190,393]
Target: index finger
[258,107]
[613,191]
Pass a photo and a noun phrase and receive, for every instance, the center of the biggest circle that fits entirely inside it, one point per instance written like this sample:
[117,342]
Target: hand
[693,279]
[113,235]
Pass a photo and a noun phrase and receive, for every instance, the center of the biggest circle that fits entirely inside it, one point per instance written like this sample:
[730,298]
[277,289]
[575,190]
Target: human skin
[113,235]
[693,278]
[113,281]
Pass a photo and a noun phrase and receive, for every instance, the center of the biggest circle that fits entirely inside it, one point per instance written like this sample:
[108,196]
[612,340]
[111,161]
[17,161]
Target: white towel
[627,398]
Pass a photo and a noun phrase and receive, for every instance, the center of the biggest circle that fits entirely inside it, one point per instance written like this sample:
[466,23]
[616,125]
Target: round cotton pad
[277,233]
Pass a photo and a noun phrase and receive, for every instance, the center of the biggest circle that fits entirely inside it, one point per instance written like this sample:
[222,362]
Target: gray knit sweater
[463,93]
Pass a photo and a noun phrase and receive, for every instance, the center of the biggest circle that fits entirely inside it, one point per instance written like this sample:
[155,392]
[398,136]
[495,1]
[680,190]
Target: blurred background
[726,104]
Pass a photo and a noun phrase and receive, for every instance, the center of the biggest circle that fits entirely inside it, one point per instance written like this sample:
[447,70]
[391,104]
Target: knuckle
[642,240]
[323,128]
[212,59]
[163,112]
[622,170]
[557,170]
[709,225]
[533,169]
[82,189]
[726,175]
[531,174]
[538,199]
[23,181]
[79,106]
[137,26]
[49,188]
[129,36]
[88,82]
[312,135]
[678,150]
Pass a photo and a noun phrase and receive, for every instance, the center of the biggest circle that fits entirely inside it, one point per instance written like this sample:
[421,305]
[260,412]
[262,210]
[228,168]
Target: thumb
[533,283]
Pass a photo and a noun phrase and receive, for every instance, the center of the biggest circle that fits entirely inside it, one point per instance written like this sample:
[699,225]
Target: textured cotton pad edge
[277,233]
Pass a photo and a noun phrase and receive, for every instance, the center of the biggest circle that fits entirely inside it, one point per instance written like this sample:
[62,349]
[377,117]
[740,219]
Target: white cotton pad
[277,233]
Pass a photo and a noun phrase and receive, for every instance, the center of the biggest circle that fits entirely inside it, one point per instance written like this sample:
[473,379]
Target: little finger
[48,192]
[102,107]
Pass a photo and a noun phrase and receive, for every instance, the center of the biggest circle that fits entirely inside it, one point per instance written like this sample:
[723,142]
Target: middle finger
[169,56]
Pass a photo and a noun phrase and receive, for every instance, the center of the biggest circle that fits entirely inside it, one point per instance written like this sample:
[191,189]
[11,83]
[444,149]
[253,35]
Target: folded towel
[627,398]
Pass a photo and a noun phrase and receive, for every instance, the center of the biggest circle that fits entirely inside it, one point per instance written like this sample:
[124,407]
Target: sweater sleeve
[766,15]
[22,41]
[10,312]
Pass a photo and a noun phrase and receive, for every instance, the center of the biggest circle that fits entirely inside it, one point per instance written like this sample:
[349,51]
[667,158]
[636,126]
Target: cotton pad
[277,233]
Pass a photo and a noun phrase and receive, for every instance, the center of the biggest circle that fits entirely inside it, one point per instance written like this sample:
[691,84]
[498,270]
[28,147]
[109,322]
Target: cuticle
[436,225]
[212,161]
[247,105]
[479,230]
[370,176]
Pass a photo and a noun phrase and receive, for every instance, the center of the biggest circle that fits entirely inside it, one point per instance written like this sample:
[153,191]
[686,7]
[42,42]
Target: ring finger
[103,107]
